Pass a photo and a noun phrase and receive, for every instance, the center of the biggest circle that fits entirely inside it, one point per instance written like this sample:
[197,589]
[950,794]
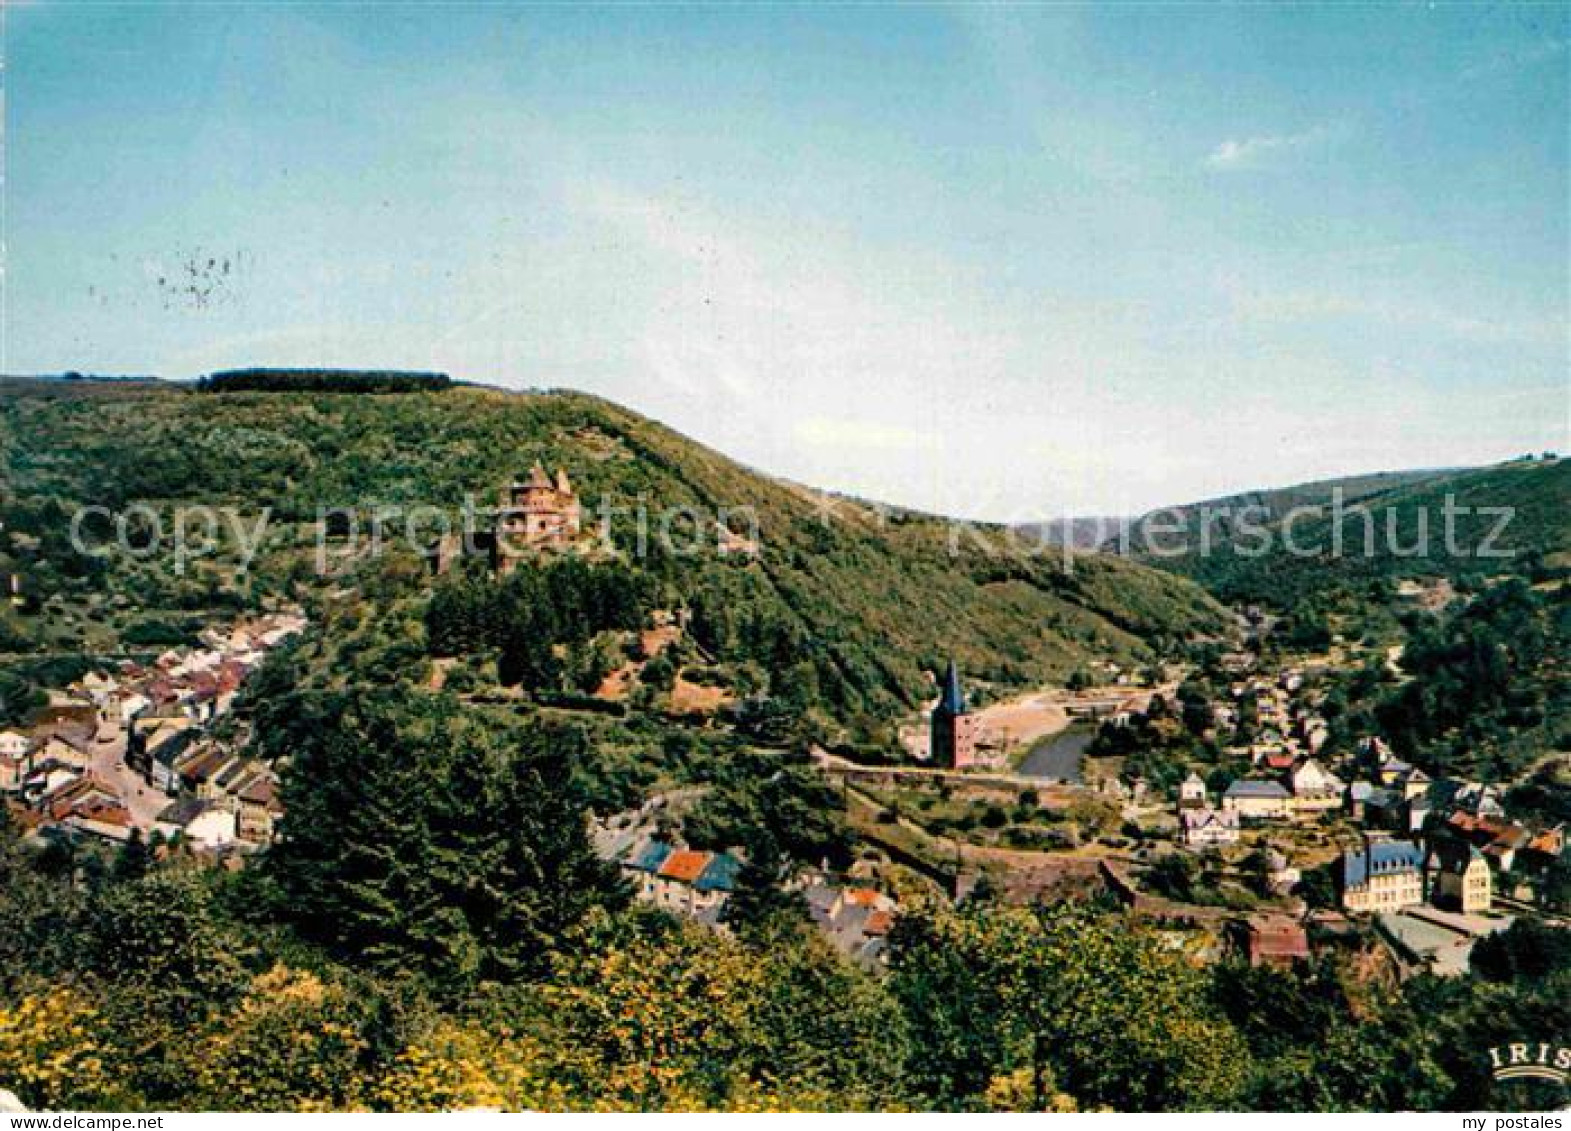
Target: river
[1056,757]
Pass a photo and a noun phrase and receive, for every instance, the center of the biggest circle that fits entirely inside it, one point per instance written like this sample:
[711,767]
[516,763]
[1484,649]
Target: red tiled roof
[861,897]
[878,923]
[684,865]
[1276,939]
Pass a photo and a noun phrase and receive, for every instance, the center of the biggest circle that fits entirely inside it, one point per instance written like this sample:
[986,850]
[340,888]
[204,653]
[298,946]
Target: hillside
[870,600]
[1509,519]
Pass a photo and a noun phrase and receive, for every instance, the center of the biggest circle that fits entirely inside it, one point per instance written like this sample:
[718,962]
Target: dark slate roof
[1456,855]
[719,874]
[1385,857]
[650,856]
[184,811]
[1256,789]
[952,700]
[169,750]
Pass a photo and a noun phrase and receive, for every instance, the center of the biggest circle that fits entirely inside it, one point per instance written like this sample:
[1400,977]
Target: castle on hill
[536,513]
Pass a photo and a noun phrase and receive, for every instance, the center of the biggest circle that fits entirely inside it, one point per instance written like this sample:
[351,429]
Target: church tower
[954,728]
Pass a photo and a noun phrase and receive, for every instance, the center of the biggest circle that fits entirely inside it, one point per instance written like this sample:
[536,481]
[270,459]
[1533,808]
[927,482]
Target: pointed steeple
[562,484]
[952,700]
[538,477]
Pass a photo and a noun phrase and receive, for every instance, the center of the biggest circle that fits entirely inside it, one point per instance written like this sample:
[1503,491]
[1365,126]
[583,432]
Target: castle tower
[954,728]
[536,512]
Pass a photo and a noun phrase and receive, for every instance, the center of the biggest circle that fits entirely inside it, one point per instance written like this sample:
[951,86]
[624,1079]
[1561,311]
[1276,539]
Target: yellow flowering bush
[291,1045]
[50,1054]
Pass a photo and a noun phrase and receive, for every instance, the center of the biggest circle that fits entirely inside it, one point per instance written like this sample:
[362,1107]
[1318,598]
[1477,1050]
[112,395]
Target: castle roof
[952,701]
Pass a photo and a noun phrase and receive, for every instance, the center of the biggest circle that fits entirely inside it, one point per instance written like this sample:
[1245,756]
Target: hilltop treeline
[323,381]
[1467,526]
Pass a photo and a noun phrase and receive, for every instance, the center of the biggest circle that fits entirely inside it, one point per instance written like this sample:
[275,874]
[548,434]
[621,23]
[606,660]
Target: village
[135,753]
[1302,848]
[1302,851]
[1023,798]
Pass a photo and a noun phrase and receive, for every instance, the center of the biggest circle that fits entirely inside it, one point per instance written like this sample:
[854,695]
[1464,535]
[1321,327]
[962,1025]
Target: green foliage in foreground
[183,989]
[423,841]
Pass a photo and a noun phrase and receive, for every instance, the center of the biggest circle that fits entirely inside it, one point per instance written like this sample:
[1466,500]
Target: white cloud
[1250,152]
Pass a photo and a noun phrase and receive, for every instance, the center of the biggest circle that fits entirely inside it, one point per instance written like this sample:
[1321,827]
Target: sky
[997,261]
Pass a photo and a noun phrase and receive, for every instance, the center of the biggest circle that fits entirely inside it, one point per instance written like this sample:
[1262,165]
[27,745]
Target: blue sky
[1001,261]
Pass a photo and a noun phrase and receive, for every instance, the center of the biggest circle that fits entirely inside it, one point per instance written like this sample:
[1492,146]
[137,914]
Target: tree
[419,838]
[134,859]
[1528,950]
[1071,997]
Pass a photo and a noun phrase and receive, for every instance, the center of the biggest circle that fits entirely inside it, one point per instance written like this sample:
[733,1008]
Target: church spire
[952,700]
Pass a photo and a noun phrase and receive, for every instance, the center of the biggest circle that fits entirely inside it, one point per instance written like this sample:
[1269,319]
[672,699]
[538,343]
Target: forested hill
[1506,520]
[858,601]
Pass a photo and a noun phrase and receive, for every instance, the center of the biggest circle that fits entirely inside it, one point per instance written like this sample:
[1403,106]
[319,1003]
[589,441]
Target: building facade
[1462,879]
[1384,876]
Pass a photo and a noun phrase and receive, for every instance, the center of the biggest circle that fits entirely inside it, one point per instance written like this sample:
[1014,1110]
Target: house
[1315,789]
[67,743]
[1209,828]
[161,752]
[201,765]
[198,820]
[1385,809]
[696,884]
[1357,798]
[1462,880]
[100,687]
[1403,777]
[1256,800]
[128,704]
[43,780]
[152,727]
[16,758]
[1281,876]
[1275,758]
[1382,876]
[1478,800]
[1274,940]
[1192,792]
[259,809]
[642,866]
[1546,847]
[855,920]
[14,745]
[85,804]
[682,880]
[1499,839]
